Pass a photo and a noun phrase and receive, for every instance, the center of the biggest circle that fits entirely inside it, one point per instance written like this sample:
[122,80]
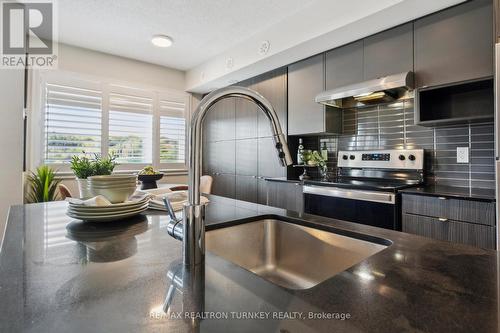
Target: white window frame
[106,86]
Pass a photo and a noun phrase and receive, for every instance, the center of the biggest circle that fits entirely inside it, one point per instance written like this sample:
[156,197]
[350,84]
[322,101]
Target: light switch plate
[462,154]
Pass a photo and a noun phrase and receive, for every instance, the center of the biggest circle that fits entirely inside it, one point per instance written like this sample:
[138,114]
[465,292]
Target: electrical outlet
[462,154]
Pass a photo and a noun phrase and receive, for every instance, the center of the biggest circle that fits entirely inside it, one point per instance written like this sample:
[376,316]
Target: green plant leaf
[42,185]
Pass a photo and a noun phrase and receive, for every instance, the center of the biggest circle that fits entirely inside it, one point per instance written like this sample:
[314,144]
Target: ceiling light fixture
[161,40]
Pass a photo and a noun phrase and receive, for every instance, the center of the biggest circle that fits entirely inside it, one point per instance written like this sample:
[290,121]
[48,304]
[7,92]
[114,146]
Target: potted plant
[148,177]
[321,163]
[85,166]
[315,159]
[42,185]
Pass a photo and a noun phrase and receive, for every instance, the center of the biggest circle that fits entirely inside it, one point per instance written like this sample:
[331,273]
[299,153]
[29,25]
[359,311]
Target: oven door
[379,209]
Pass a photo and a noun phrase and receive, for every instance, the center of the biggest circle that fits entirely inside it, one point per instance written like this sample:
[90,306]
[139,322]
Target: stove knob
[402,157]
[345,157]
[352,157]
[412,158]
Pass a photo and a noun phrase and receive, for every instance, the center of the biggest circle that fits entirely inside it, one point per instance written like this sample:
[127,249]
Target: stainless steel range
[365,189]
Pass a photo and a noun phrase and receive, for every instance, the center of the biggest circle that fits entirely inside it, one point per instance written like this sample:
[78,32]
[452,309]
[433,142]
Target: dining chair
[205,185]
[64,191]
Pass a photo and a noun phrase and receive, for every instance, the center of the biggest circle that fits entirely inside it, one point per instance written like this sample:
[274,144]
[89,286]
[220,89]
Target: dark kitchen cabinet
[450,230]
[246,188]
[344,65]
[306,79]
[455,44]
[269,165]
[247,114]
[388,52]
[262,190]
[237,144]
[220,121]
[246,157]
[496,20]
[286,195]
[224,185]
[226,151]
[273,86]
[456,220]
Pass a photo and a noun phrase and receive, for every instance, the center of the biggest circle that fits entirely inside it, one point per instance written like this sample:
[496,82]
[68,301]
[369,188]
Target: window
[139,126]
[72,122]
[172,132]
[131,128]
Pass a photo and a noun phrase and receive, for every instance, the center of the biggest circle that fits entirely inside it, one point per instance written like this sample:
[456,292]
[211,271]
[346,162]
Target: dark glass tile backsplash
[391,126]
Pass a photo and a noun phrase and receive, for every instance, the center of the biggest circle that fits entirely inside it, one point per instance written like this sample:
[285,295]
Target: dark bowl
[150,178]
[149,181]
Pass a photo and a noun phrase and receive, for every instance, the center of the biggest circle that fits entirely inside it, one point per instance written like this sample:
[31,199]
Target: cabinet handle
[443,219]
[442,198]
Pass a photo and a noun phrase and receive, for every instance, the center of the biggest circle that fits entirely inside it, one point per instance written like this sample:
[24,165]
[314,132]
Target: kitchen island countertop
[59,275]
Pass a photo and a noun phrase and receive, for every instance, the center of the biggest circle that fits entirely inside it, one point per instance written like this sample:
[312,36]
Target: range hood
[383,89]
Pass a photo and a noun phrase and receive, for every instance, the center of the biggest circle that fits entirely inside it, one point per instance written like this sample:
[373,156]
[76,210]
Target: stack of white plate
[116,188]
[107,213]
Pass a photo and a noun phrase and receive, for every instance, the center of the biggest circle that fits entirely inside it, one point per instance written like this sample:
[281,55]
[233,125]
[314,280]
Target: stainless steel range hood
[379,90]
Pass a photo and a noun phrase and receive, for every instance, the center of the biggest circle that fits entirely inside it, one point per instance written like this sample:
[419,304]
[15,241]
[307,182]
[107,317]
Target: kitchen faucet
[192,228]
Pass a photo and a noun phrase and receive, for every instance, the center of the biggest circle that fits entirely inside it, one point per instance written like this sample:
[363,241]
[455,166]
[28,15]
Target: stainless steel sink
[287,254]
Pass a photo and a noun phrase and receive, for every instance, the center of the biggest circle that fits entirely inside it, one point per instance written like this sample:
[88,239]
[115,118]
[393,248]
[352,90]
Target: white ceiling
[201,29]
[209,33]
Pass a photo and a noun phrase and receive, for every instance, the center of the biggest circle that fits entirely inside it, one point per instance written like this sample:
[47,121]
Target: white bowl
[115,195]
[113,178]
[113,185]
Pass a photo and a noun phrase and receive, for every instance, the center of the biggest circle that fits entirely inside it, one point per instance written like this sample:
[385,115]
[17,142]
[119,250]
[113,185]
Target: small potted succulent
[148,177]
[90,165]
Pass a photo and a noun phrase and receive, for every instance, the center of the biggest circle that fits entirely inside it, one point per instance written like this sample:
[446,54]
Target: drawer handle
[442,198]
[443,219]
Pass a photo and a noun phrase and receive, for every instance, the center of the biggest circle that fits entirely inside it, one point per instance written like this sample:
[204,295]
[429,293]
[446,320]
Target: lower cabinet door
[246,188]
[449,230]
[287,195]
[224,185]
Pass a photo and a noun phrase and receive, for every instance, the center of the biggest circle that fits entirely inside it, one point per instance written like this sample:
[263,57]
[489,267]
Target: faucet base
[193,251]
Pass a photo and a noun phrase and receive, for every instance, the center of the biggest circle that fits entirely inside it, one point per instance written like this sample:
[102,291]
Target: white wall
[102,65]
[76,59]
[11,141]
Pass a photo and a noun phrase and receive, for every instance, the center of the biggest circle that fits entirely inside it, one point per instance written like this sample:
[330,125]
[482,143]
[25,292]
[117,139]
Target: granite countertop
[59,275]
[481,194]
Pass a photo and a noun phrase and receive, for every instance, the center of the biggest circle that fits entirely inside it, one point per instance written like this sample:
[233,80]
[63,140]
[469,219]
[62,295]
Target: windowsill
[169,172]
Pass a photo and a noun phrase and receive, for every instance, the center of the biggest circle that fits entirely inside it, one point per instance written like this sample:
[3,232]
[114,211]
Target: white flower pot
[83,187]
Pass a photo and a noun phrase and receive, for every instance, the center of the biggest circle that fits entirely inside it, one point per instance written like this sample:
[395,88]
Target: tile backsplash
[391,126]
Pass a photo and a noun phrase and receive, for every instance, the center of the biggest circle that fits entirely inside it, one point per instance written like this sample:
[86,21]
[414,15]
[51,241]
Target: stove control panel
[376,157]
[405,159]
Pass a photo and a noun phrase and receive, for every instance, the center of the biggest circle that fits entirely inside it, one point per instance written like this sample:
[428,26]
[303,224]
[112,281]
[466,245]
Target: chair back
[206,184]
[64,191]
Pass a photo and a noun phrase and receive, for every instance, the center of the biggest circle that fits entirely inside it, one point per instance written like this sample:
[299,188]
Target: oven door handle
[373,196]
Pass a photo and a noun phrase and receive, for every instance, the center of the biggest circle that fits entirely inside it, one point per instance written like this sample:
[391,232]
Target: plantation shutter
[172,113]
[72,122]
[131,127]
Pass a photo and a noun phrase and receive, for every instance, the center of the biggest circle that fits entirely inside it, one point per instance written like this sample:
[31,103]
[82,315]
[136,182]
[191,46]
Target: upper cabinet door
[344,65]
[455,44]
[388,52]
[273,86]
[306,79]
